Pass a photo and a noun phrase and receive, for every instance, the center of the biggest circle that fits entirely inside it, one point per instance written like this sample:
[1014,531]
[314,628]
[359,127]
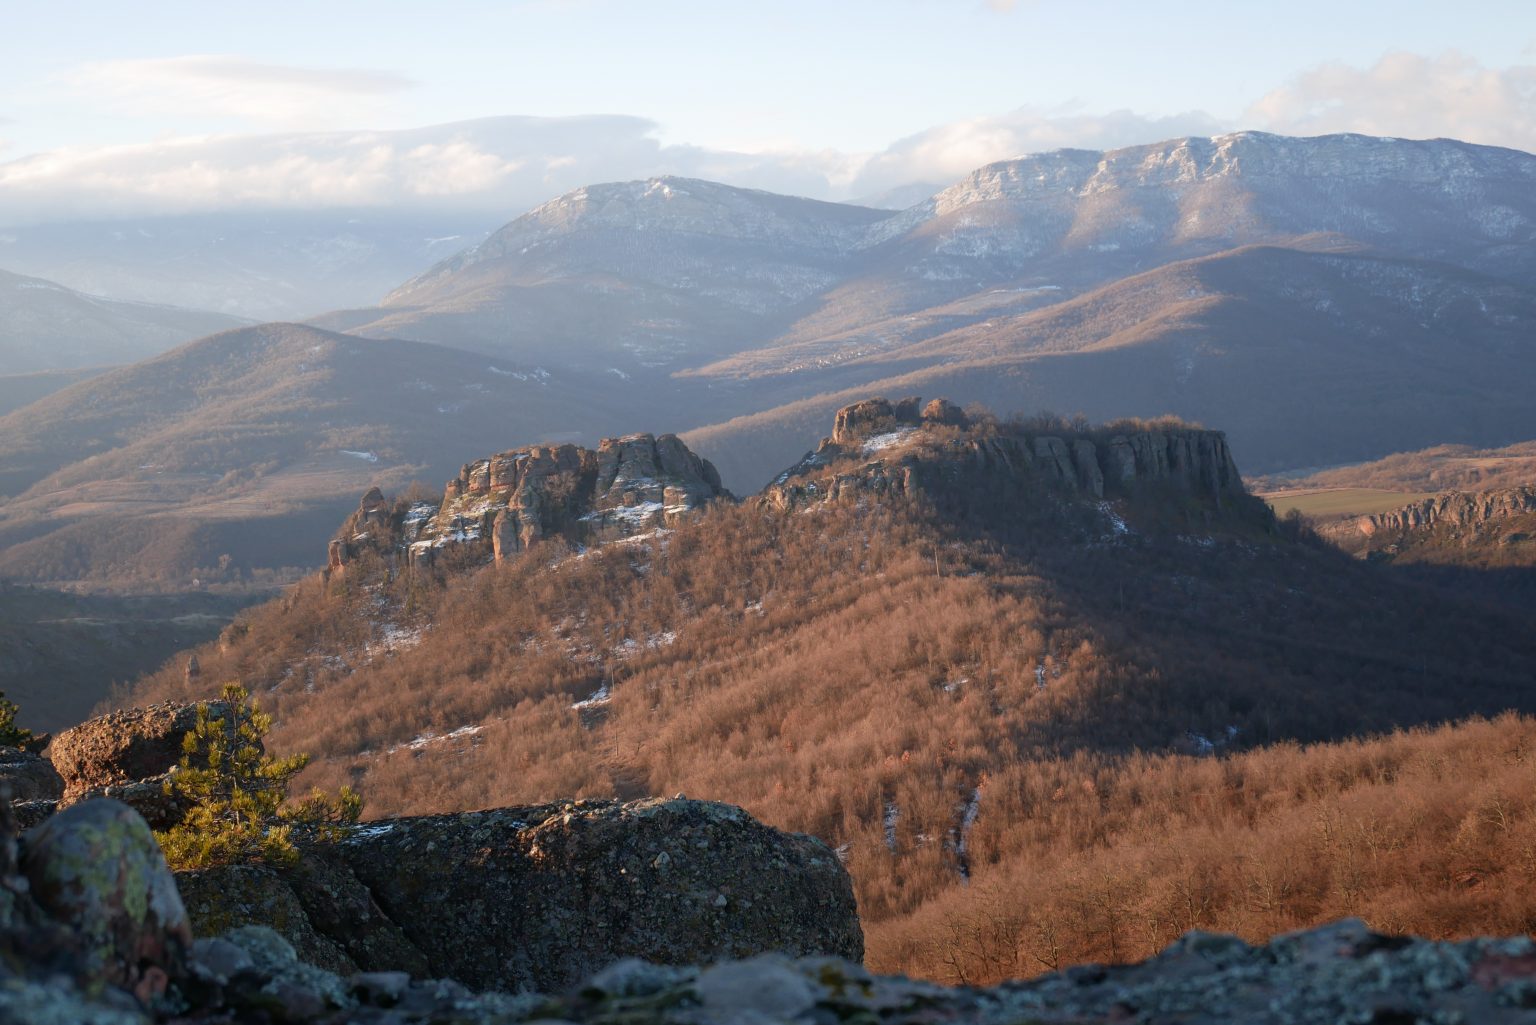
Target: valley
[1110,543]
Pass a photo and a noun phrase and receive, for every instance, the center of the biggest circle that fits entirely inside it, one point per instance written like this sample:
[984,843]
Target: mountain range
[45,326]
[275,265]
[1163,278]
[1324,300]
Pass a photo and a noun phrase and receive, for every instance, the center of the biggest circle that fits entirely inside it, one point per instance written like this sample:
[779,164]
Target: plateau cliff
[902,446]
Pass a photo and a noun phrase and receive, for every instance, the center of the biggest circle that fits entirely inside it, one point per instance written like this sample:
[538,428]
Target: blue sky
[845,86]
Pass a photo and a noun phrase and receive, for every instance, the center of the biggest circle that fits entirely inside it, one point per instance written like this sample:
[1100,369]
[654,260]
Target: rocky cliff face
[508,502]
[883,446]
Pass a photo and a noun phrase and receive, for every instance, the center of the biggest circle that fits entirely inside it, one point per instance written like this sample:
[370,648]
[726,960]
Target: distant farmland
[1330,503]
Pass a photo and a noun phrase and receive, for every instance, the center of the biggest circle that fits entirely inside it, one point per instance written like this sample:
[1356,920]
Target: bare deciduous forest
[1033,737]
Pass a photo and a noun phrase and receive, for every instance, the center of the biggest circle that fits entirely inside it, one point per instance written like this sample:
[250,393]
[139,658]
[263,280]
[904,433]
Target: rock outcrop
[125,756]
[508,502]
[1456,508]
[549,894]
[96,869]
[899,448]
[29,777]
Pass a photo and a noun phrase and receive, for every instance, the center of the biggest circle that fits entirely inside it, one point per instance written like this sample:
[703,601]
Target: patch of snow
[621,375]
[962,834]
[420,512]
[1116,524]
[628,513]
[369,832]
[880,442]
[399,638]
[367,457]
[602,696]
[892,813]
[429,738]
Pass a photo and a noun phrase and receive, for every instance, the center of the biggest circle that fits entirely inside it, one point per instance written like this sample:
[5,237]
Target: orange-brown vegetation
[1442,468]
[951,690]
[1430,832]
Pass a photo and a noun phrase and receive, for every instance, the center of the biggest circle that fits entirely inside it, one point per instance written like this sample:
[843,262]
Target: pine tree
[11,735]
[237,792]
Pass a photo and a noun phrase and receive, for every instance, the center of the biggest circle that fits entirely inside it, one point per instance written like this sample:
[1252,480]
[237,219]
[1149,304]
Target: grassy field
[1324,503]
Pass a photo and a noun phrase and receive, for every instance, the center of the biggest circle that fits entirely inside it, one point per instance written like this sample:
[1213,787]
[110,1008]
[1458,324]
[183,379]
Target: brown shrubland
[960,696]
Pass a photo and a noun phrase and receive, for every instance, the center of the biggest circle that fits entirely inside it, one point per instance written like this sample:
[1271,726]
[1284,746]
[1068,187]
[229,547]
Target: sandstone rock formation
[550,893]
[895,444]
[508,502]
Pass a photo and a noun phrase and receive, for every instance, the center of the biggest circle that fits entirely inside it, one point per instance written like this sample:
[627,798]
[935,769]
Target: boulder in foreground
[541,897]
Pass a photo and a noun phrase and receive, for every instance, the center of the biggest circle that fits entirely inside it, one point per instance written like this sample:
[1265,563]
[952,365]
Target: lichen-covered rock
[318,905]
[97,869]
[128,746]
[551,893]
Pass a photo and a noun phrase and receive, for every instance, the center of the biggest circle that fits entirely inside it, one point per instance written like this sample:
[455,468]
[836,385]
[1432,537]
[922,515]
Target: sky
[112,109]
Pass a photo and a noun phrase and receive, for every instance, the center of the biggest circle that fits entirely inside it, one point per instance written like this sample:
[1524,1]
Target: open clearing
[1325,503]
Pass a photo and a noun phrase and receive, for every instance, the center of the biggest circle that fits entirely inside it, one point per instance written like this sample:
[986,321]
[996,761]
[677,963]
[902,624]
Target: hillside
[663,273]
[262,265]
[1483,529]
[1287,347]
[1041,228]
[61,654]
[934,631]
[227,460]
[45,326]
[1440,468]
[17,390]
